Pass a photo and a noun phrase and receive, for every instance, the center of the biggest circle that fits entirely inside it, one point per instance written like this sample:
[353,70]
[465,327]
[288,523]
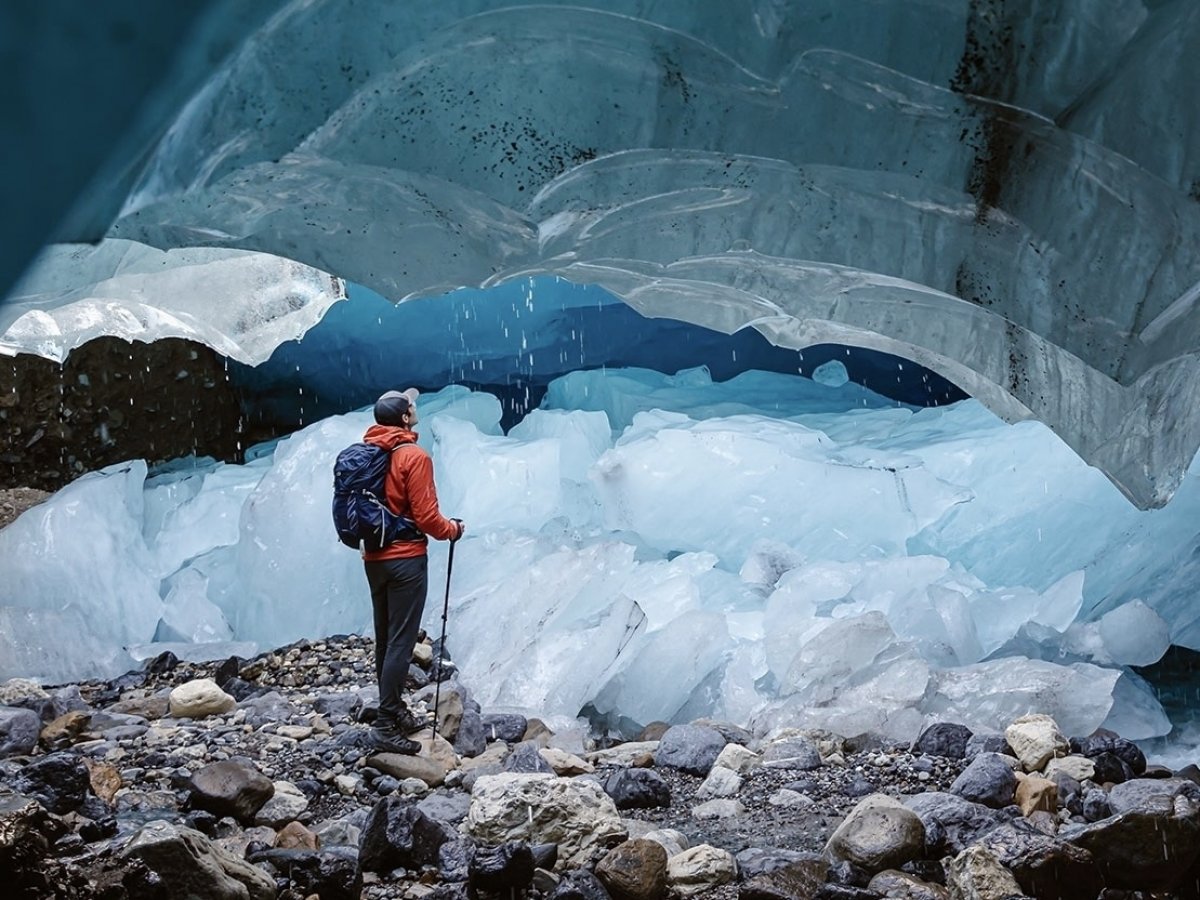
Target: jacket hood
[389,437]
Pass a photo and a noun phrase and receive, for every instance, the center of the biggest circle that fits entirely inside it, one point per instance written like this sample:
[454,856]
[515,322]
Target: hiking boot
[407,723]
[379,741]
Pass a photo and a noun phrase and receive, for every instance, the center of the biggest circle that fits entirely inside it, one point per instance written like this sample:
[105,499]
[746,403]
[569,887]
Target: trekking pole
[437,691]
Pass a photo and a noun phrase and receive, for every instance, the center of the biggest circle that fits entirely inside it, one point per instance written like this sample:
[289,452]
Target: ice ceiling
[1005,191]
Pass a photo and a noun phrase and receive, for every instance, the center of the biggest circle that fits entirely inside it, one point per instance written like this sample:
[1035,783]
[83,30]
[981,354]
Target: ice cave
[822,361]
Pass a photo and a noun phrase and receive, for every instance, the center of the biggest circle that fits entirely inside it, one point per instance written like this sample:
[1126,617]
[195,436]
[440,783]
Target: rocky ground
[252,779]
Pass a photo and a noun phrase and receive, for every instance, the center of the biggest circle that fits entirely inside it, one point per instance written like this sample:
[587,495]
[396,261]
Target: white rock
[975,874]
[879,833]
[1078,767]
[738,759]
[198,699]
[1036,739]
[346,785]
[699,869]
[721,782]
[295,732]
[575,814]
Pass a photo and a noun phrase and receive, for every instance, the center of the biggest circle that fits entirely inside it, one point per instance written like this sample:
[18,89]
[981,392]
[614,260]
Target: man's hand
[462,528]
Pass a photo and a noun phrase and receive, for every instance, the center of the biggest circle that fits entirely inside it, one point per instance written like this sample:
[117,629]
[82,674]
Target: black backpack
[360,515]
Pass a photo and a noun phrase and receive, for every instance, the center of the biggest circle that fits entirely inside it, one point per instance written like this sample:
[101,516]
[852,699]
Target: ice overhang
[990,189]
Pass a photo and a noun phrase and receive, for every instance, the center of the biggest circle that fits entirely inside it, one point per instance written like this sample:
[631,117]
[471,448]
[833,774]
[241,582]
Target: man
[399,573]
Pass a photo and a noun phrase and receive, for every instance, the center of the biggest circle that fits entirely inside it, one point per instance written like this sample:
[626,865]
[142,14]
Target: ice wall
[1001,191]
[769,549]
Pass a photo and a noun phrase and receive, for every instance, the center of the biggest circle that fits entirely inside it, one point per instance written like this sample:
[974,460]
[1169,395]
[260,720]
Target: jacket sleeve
[417,477]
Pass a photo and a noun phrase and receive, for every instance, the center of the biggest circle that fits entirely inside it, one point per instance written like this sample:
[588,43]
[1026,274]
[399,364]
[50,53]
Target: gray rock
[470,740]
[690,748]
[986,742]
[952,823]
[1104,741]
[579,884]
[343,706]
[526,758]
[944,739]
[792,752]
[188,864]
[801,880]
[59,781]
[879,833]
[508,867]
[231,788]
[19,730]
[448,808]
[988,780]
[271,707]
[1044,866]
[1151,795]
[397,834]
[455,858]
[509,727]
[755,861]
[1139,851]
[637,789]
[1095,805]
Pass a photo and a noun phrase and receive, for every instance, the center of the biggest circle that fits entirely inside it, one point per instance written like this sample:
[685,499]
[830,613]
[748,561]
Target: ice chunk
[831,374]
[188,614]
[582,436]
[76,580]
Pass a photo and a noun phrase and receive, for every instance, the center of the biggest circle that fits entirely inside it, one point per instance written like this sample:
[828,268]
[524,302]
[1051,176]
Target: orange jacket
[409,491]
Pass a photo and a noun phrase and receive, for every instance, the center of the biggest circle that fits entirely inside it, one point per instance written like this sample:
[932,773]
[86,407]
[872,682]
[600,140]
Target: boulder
[1105,741]
[188,864]
[637,789]
[634,870]
[576,814]
[878,833]
[470,740]
[231,788]
[104,778]
[19,729]
[59,781]
[397,834]
[699,869]
[1036,739]
[1044,866]
[986,742]
[1151,795]
[450,808]
[527,757]
[271,708]
[952,823]
[718,809]
[1138,850]
[626,754]
[507,868]
[508,727]
[65,730]
[796,880]
[198,699]
[975,874]
[989,780]
[294,836]
[455,858]
[564,763]
[690,748]
[943,739]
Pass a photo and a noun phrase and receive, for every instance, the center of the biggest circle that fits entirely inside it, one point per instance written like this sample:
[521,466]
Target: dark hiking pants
[398,595]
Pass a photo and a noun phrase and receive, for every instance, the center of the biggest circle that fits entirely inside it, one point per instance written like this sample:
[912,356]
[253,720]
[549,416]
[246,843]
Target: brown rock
[66,729]
[295,836]
[635,870]
[537,730]
[642,761]
[430,771]
[436,748]
[796,881]
[1035,793]
[105,779]
[653,732]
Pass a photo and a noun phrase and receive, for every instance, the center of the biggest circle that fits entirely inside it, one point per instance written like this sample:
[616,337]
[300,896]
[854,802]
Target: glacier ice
[626,573]
[1004,193]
